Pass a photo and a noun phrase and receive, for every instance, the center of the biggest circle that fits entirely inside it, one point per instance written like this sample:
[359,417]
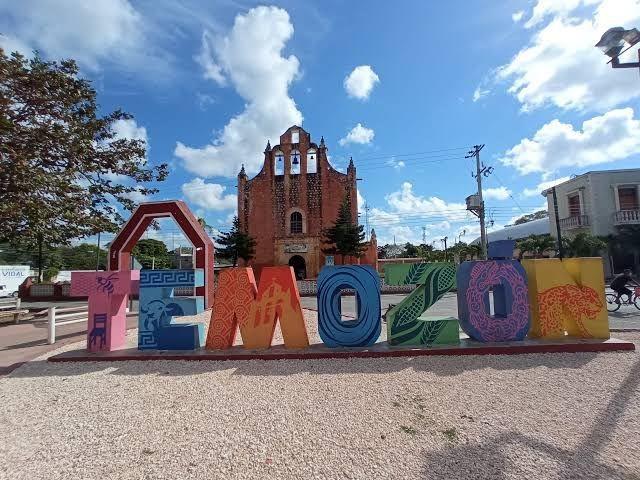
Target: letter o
[366,329]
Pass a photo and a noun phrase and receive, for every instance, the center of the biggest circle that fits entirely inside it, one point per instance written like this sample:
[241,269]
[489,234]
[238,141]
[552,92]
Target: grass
[451,434]
[408,430]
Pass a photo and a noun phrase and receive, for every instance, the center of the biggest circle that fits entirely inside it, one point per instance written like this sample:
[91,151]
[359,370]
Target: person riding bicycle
[619,284]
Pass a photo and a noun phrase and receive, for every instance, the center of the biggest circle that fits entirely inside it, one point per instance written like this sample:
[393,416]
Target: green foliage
[410,251]
[531,216]
[408,430]
[58,157]
[152,253]
[450,434]
[536,245]
[345,237]
[79,257]
[583,245]
[49,273]
[626,239]
[236,244]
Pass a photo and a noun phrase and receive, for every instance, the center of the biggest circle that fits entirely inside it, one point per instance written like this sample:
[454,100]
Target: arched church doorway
[299,267]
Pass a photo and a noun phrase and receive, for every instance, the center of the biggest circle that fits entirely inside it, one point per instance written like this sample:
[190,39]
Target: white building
[597,203]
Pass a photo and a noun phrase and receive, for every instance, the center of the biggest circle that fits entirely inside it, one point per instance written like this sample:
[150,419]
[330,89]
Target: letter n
[567,296]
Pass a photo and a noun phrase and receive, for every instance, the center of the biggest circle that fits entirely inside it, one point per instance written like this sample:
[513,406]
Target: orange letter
[256,311]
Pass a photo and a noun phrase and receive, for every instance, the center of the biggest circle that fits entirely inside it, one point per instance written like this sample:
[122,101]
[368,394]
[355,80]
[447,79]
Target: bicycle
[613,305]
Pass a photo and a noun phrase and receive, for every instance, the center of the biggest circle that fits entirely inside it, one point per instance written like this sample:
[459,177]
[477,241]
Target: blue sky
[405,90]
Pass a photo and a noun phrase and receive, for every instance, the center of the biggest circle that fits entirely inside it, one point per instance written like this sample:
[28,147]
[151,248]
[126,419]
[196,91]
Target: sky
[405,90]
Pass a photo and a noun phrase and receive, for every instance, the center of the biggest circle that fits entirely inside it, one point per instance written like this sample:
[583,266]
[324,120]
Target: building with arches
[291,200]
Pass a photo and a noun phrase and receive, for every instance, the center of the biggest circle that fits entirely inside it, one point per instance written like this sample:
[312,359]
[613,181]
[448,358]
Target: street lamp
[613,43]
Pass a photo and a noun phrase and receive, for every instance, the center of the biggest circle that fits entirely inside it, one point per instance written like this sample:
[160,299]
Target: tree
[536,245]
[152,253]
[345,237]
[531,216]
[205,226]
[236,244]
[583,245]
[64,174]
[410,251]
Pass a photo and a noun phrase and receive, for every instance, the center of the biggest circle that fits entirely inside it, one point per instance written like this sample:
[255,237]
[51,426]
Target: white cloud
[535,191]
[250,58]
[209,196]
[603,139]
[559,8]
[137,196]
[89,32]
[498,193]
[129,129]
[210,69]
[358,134]
[361,201]
[395,163]
[204,100]
[406,213]
[444,225]
[480,93]
[406,201]
[360,82]
[516,17]
[560,66]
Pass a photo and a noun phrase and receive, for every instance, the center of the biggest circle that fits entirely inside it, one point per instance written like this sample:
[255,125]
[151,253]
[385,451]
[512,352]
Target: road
[27,340]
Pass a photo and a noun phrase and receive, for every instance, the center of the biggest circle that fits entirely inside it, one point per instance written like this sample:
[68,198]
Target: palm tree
[584,245]
[535,245]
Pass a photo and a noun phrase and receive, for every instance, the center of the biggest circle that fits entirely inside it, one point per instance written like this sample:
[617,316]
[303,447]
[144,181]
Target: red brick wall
[265,201]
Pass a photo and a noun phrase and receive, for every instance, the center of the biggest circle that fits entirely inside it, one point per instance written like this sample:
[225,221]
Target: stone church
[295,196]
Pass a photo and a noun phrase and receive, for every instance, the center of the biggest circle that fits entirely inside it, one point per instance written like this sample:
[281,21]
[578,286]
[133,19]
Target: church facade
[296,195]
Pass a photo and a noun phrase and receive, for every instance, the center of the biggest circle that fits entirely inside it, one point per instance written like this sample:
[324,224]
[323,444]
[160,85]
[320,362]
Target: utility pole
[481,171]
[445,247]
[366,220]
[557,217]
[424,235]
[98,254]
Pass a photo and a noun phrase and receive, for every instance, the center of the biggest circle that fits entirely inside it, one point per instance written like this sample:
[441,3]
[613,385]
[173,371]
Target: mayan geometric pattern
[433,280]
[108,294]
[277,298]
[440,330]
[567,296]
[236,292]
[366,329]
[508,281]
[158,306]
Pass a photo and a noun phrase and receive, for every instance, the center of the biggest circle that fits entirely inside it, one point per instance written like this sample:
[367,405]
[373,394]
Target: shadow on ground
[441,366]
[491,459]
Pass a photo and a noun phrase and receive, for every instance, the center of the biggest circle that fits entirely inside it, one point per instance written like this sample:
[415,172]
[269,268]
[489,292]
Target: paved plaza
[537,416]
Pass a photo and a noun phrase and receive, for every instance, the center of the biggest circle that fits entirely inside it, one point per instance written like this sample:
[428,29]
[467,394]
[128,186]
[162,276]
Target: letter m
[256,309]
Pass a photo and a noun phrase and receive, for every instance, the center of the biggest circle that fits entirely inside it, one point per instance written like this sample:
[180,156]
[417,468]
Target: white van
[5,292]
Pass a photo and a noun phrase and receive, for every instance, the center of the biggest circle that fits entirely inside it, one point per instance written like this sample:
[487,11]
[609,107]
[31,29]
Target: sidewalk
[27,340]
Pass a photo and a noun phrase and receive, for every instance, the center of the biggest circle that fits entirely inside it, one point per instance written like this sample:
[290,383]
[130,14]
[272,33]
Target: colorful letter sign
[108,294]
[567,296]
[434,280]
[158,306]
[366,329]
[256,310]
[508,281]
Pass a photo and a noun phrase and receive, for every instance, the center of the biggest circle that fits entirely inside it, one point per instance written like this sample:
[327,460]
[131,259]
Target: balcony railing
[575,221]
[627,217]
